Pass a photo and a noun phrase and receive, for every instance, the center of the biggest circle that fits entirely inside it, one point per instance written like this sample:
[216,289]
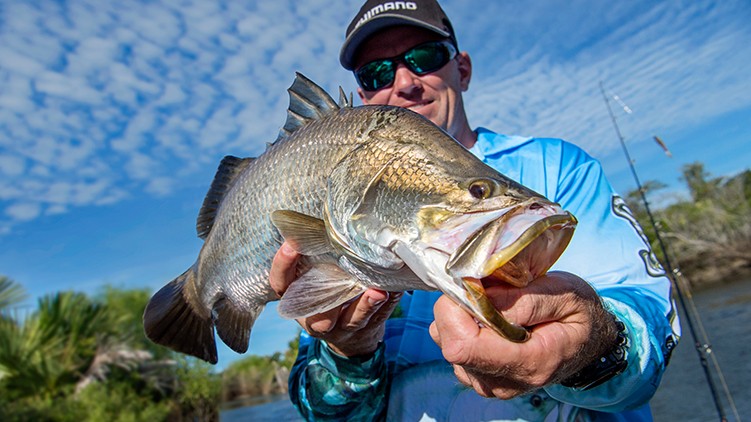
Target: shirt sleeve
[610,251]
[325,386]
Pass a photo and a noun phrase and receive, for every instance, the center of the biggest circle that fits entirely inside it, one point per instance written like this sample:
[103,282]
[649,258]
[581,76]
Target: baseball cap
[378,14]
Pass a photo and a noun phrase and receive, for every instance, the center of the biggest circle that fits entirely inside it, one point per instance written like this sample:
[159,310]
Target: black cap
[378,14]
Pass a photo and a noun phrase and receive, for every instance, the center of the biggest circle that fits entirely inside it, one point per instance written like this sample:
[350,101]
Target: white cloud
[12,165]
[160,186]
[23,211]
[71,89]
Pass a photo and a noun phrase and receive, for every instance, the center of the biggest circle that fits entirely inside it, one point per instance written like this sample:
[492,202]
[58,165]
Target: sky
[115,115]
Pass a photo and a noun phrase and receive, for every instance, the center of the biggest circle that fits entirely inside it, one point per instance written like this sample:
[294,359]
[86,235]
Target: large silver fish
[372,196]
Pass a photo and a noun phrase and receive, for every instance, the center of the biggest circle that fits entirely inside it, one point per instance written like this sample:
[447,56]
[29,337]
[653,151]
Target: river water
[684,395]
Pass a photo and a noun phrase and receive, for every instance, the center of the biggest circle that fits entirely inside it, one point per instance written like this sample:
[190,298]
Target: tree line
[708,233]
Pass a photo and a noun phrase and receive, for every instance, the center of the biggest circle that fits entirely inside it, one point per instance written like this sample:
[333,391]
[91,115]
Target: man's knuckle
[320,327]
[456,353]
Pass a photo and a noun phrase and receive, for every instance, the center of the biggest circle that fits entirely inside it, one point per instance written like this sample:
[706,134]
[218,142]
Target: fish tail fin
[233,325]
[171,321]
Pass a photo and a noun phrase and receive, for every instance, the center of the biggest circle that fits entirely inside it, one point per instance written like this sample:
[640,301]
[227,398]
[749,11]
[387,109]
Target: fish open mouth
[533,253]
[516,249]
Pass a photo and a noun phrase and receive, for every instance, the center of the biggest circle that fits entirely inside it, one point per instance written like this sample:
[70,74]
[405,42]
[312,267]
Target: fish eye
[480,189]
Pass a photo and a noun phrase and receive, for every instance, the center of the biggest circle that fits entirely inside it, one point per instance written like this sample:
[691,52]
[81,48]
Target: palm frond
[11,293]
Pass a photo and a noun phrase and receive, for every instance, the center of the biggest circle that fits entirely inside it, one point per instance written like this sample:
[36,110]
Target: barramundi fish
[371,197]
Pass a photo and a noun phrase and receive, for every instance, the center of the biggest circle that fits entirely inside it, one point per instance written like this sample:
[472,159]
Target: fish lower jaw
[510,273]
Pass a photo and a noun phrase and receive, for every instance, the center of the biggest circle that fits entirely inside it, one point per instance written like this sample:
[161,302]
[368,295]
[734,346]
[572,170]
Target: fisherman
[602,323]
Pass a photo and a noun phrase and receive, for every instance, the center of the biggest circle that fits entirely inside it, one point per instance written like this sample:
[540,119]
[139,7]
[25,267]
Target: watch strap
[604,368]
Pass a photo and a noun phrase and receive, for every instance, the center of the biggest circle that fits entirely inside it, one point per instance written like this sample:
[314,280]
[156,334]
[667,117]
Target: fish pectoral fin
[171,321]
[233,325]
[306,234]
[323,287]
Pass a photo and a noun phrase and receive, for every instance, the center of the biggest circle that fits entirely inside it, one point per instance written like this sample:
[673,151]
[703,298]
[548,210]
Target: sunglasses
[420,60]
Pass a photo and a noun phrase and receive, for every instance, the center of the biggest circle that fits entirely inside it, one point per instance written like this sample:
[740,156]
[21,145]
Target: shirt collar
[489,142]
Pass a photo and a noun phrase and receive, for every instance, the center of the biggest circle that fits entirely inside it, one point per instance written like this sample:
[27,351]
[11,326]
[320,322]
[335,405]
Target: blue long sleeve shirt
[407,377]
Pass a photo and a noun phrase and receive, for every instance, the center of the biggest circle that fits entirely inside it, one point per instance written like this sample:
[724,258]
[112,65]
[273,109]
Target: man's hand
[569,329]
[352,329]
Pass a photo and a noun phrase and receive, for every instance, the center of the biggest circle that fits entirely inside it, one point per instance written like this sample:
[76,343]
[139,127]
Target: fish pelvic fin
[225,177]
[324,286]
[171,321]
[307,235]
[233,325]
[307,102]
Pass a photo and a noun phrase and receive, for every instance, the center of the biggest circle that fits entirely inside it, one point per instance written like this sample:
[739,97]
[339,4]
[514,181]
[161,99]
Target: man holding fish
[599,328]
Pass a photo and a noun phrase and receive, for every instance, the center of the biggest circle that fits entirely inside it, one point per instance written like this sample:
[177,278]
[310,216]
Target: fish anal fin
[307,235]
[169,320]
[225,177]
[322,287]
[233,325]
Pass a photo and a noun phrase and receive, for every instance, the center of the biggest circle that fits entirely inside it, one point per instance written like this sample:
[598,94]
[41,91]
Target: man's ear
[465,69]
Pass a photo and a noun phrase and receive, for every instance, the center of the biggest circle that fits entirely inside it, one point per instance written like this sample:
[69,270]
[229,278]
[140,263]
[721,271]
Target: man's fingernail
[374,302]
[287,249]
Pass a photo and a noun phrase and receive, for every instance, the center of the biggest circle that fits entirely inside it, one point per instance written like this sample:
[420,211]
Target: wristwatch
[606,367]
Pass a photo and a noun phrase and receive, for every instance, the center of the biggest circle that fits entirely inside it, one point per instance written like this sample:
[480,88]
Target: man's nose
[404,80]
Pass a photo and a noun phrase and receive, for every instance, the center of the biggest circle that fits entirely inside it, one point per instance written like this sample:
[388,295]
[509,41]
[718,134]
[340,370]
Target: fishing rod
[703,347]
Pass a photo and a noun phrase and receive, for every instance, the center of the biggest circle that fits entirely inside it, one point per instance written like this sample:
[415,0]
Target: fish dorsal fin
[343,101]
[225,177]
[307,101]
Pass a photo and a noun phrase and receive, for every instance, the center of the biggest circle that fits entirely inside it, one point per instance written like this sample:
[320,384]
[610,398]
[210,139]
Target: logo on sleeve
[653,266]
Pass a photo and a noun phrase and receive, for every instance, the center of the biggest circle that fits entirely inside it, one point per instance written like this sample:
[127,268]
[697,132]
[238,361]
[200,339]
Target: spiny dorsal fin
[307,101]
[226,174]
[343,98]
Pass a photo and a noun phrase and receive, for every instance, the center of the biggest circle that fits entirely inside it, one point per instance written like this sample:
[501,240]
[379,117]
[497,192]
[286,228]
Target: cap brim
[353,41]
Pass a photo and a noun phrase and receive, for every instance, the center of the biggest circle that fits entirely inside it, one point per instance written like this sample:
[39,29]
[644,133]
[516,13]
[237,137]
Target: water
[684,394]
[279,410]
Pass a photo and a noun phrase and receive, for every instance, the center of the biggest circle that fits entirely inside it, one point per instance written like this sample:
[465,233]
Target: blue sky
[114,115]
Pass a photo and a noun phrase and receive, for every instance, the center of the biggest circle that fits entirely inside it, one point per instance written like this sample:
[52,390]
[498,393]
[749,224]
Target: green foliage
[290,355]
[200,389]
[47,352]
[11,294]
[259,375]
[119,401]
[709,236]
[127,307]
[75,358]
[110,401]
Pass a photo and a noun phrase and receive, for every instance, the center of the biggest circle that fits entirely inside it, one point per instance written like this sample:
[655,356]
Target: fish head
[426,202]
[487,230]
